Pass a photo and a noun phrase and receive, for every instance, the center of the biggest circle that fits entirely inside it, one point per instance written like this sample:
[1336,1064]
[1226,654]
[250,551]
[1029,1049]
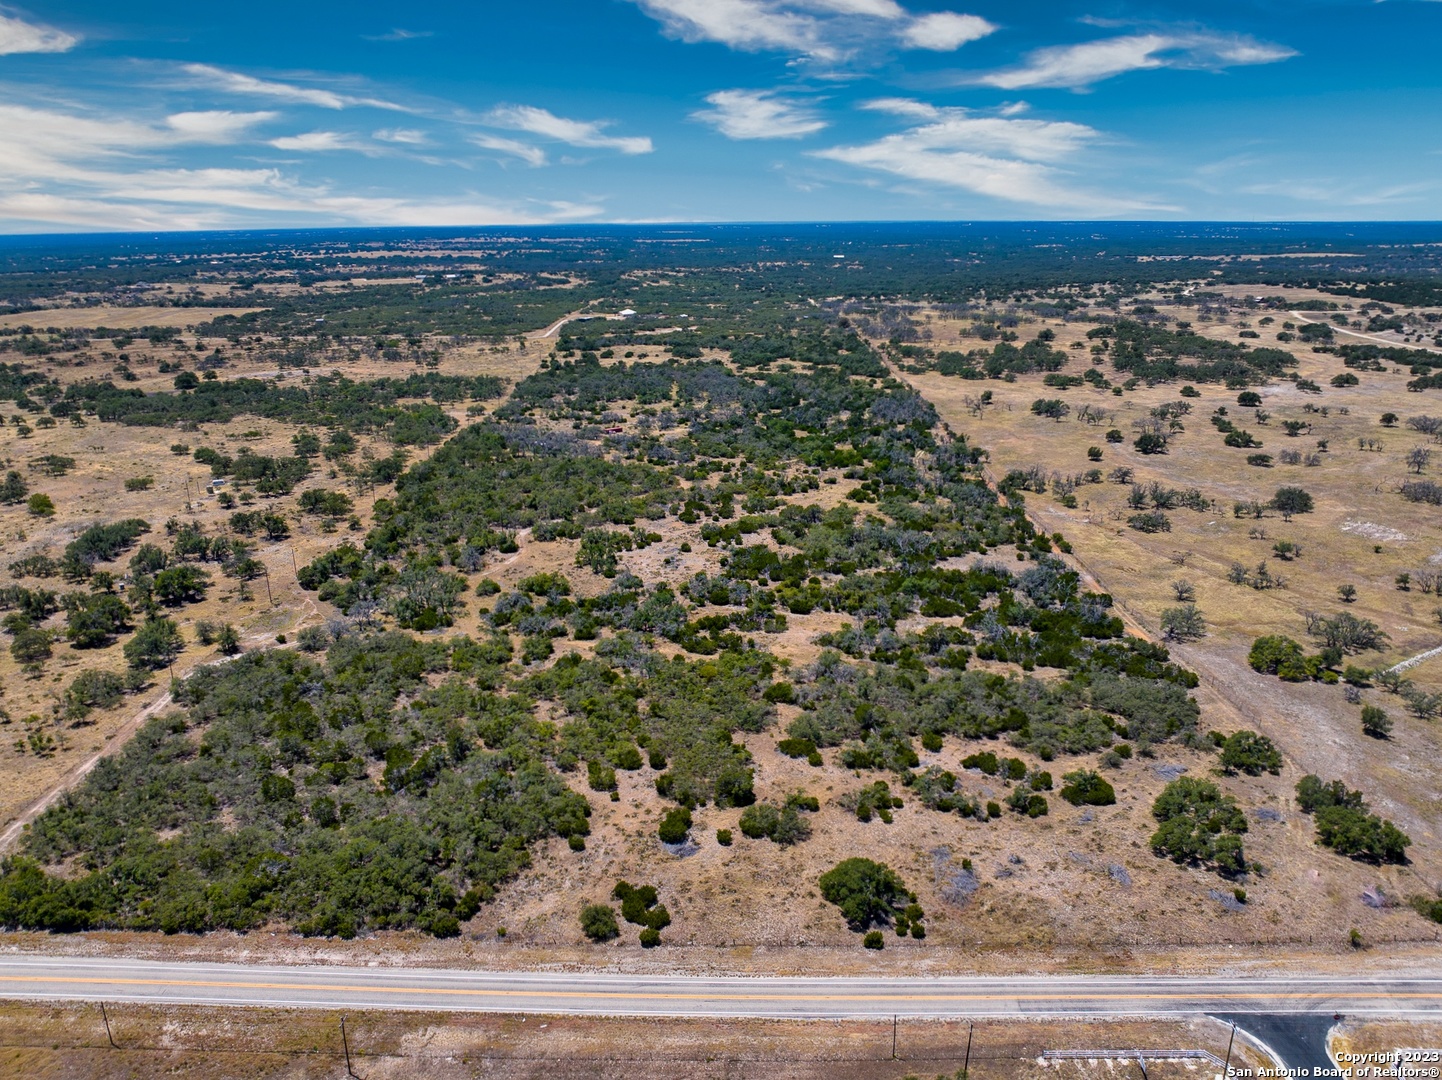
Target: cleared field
[116,318]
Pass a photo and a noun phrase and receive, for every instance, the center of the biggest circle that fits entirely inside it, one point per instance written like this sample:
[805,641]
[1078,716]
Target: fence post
[109,1037]
[345,1043]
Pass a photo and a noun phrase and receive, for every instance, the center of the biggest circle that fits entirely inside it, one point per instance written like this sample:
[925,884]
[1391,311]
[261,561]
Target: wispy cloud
[322,141]
[583,133]
[19,36]
[740,24]
[945,31]
[878,9]
[106,172]
[1340,193]
[1001,158]
[758,114]
[400,35]
[1078,66]
[404,136]
[531,155]
[235,82]
[215,125]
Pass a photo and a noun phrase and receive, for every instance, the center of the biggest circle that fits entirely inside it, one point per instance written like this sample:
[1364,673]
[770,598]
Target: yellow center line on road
[660,995]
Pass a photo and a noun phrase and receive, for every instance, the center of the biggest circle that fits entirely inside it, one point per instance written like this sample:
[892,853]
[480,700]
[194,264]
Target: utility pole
[109,1037]
[1229,1046]
[893,1037]
[1141,1064]
[268,595]
[966,1067]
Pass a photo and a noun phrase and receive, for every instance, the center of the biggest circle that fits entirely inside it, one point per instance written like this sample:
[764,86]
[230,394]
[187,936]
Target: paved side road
[38,977]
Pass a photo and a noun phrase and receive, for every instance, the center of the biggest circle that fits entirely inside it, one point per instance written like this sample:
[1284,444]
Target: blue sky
[156,115]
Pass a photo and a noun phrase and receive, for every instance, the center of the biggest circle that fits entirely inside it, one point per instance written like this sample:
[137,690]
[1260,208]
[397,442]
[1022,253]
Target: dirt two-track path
[123,734]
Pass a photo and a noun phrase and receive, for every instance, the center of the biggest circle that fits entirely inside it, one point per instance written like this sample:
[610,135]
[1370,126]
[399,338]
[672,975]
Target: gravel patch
[955,883]
[1372,531]
[1226,899]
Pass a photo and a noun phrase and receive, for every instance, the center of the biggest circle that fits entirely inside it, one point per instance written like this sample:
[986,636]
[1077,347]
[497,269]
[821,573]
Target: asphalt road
[1300,1042]
[36,977]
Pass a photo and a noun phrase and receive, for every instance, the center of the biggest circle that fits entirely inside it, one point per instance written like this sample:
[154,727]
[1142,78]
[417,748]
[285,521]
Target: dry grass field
[69,1041]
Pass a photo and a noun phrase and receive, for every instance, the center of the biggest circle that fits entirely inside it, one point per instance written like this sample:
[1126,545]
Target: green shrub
[1344,825]
[782,825]
[780,692]
[598,922]
[723,837]
[155,645]
[1275,654]
[1197,823]
[1086,788]
[625,756]
[866,892]
[1253,754]
[986,761]
[874,940]
[675,826]
[1375,722]
[600,776]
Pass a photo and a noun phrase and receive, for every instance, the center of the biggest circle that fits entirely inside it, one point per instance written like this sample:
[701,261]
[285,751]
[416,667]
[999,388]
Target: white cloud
[903,107]
[945,31]
[62,170]
[234,82]
[404,136]
[46,144]
[216,125]
[531,155]
[758,114]
[1081,65]
[585,133]
[1011,160]
[878,9]
[19,36]
[826,30]
[740,24]
[321,141]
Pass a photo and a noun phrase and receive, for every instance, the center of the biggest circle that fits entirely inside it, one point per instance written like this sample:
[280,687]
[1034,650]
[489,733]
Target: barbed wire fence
[951,1048]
